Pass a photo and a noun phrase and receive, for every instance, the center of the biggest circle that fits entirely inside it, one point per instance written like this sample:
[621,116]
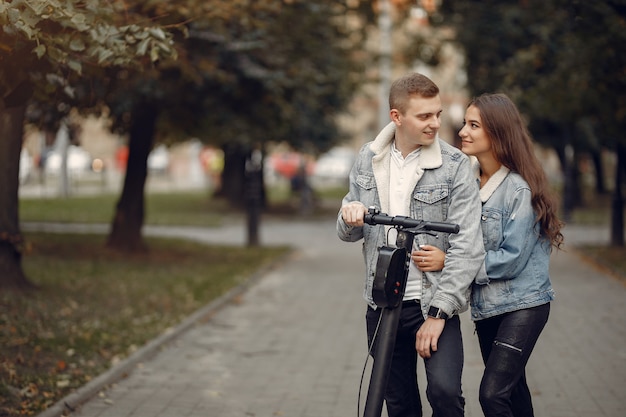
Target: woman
[511,295]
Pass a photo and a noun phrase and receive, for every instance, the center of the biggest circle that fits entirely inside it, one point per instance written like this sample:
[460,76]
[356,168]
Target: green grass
[183,208]
[190,208]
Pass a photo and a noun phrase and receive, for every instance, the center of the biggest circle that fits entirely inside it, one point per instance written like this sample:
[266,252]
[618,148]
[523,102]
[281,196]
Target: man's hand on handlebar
[353,213]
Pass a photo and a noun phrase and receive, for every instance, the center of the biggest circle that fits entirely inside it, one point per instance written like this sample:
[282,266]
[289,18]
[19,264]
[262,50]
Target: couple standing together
[499,196]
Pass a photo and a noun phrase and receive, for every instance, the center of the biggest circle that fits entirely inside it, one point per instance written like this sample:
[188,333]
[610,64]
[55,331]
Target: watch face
[437,313]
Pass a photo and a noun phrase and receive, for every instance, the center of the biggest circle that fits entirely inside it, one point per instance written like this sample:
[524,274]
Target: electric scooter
[392,269]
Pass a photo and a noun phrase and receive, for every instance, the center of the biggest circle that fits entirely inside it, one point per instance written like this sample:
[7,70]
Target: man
[407,170]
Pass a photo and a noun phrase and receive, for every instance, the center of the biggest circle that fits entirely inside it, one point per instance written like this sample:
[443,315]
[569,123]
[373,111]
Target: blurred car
[79,161]
[333,167]
[159,160]
[288,164]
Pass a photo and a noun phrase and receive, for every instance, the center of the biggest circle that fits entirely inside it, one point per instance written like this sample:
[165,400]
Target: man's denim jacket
[515,274]
[445,191]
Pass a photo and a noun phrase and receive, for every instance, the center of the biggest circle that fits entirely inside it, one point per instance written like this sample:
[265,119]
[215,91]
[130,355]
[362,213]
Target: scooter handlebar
[373,217]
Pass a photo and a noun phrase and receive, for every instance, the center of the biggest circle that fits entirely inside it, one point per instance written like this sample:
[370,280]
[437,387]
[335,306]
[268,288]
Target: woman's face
[474,139]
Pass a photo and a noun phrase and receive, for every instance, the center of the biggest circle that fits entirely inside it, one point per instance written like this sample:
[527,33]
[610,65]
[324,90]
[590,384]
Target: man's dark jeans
[443,369]
[506,342]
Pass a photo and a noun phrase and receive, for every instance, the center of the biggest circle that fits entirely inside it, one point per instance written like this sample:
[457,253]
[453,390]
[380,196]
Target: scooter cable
[369,352]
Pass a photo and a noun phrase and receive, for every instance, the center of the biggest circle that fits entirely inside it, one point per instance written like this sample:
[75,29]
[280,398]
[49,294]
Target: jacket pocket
[491,222]
[431,203]
[367,182]
[367,193]
[431,194]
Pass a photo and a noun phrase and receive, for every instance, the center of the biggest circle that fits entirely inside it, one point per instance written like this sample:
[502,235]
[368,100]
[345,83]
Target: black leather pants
[506,342]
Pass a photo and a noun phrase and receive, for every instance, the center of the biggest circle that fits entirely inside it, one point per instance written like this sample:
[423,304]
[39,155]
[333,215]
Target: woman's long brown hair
[513,147]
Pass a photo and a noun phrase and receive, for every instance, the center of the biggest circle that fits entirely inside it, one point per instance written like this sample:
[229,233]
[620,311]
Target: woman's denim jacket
[445,191]
[515,274]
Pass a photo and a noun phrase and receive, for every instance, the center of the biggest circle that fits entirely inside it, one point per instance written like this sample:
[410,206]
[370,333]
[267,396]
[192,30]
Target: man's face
[419,124]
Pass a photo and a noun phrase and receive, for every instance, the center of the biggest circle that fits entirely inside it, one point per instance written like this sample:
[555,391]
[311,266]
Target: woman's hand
[428,258]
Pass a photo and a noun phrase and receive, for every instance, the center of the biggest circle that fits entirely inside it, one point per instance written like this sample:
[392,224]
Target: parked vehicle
[333,167]
[79,162]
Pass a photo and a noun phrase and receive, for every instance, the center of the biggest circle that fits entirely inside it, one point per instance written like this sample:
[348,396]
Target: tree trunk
[234,174]
[11,240]
[128,221]
[567,162]
[596,158]
[617,211]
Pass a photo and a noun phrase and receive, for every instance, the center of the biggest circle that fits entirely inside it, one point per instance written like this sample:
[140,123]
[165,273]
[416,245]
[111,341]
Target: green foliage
[245,75]
[560,60]
[45,41]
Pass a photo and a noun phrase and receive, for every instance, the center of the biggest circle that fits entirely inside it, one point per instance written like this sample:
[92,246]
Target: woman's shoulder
[516,180]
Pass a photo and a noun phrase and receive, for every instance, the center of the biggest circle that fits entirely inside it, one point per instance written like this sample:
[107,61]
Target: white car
[159,160]
[334,166]
[79,161]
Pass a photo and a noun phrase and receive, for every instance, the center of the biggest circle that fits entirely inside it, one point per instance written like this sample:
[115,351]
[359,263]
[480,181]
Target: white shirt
[401,180]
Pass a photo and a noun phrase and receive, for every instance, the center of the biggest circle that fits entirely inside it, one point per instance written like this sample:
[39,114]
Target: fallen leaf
[63,383]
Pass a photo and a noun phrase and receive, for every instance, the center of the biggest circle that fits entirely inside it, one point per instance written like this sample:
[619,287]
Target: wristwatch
[437,313]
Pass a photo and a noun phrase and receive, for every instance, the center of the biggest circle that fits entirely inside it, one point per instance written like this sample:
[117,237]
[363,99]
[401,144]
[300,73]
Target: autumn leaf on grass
[63,381]
[29,391]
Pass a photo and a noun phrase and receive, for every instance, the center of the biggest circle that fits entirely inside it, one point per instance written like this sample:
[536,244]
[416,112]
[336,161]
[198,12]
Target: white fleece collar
[430,156]
[493,183]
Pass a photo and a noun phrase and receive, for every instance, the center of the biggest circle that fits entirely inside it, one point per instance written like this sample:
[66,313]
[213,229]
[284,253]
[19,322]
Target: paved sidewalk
[293,344]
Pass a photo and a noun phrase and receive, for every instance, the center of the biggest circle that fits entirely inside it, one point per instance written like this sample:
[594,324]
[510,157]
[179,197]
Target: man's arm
[466,252]
[462,262]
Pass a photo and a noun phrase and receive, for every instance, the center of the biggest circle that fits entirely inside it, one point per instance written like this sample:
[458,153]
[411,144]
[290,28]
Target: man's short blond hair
[408,86]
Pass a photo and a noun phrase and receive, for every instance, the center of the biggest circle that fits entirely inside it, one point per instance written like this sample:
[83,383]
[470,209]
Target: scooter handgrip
[442,227]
